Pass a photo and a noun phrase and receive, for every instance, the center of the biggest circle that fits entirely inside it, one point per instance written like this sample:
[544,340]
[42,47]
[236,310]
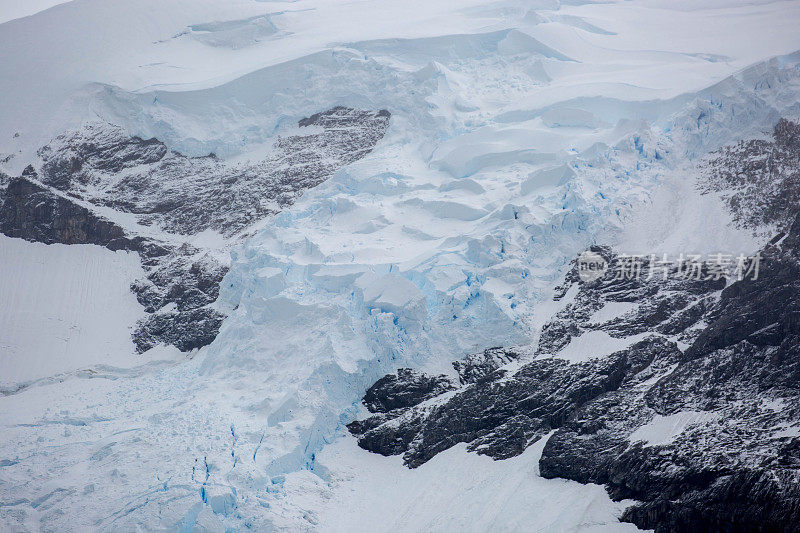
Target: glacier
[521,133]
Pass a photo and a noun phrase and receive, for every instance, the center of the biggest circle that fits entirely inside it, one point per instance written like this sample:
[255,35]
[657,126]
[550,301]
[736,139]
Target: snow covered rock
[406,389]
[521,133]
[34,213]
[187,195]
[695,420]
[92,180]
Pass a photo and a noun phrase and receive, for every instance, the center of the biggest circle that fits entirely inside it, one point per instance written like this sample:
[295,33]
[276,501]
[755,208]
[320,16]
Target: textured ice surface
[519,135]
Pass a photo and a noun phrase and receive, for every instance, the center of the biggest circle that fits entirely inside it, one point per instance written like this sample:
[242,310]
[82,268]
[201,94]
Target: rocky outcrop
[100,168]
[501,417]
[189,278]
[186,195]
[483,365]
[179,291]
[736,466]
[186,330]
[75,159]
[34,213]
[733,462]
[405,389]
[697,420]
[666,302]
[760,179]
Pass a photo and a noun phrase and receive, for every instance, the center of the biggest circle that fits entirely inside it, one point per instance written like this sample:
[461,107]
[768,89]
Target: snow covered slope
[11,9]
[64,308]
[457,491]
[520,133]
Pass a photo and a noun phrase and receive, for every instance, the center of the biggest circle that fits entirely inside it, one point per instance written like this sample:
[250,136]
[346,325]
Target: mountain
[93,176]
[323,266]
[694,414]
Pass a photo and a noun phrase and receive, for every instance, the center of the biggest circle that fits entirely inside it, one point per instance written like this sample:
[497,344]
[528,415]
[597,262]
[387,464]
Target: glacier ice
[518,137]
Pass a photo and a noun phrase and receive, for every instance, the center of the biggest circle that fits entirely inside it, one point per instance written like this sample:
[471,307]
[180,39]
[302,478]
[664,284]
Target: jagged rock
[186,282]
[74,159]
[34,213]
[759,179]
[188,278]
[703,439]
[185,330]
[764,311]
[736,471]
[187,195]
[668,304]
[405,389]
[100,165]
[513,412]
[38,214]
[5,179]
[484,365]
[735,468]
[787,134]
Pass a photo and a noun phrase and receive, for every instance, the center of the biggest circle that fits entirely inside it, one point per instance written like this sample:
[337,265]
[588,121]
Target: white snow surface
[594,344]
[521,133]
[376,494]
[65,308]
[14,9]
[662,429]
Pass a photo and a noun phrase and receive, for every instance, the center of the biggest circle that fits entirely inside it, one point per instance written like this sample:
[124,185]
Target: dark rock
[787,134]
[759,179]
[405,389]
[188,278]
[705,439]
[186,330]
[187,195]
[481,366]
[70,159]
[34,213]
[100,165]
[501,419]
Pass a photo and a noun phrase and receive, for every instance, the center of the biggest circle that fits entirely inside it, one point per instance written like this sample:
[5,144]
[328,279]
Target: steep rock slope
[697,418]
[186,195]
[100,186]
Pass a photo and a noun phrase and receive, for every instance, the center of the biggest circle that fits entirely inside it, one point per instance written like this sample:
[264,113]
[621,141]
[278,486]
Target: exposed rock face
[98,167]
[500,418]
[5,179]
[735,468]
[666,303]
[698,419]
[406,389]
[74,159]
[480,366]
[187,195]
[519,409]
[390,397]
[760,179]
[179,291]
[34,213]
[186,330]
[188,278]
